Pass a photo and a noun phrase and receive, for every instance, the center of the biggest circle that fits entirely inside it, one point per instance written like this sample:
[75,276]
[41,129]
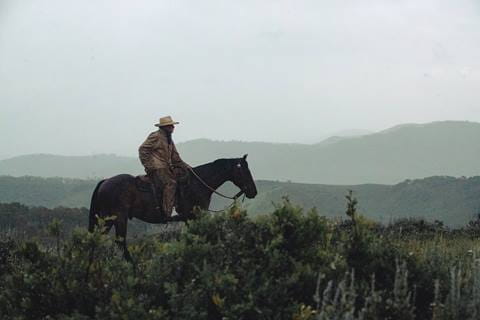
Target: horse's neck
[214,177]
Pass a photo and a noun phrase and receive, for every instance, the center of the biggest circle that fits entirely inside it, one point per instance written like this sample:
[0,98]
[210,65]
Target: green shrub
[289,264]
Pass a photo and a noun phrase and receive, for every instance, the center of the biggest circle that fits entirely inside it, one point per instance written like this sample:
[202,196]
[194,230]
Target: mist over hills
[412,151]
[454,201]
[81,167]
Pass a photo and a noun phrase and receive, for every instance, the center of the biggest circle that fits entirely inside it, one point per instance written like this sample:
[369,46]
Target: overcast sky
[93,76]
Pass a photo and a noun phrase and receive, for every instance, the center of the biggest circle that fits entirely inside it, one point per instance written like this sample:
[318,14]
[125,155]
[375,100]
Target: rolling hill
[404,152]
[454,201]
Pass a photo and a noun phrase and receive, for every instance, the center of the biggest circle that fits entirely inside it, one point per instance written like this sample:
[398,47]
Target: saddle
[144,183]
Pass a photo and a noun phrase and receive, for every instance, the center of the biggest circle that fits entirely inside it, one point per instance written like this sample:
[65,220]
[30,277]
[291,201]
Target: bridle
[234,198]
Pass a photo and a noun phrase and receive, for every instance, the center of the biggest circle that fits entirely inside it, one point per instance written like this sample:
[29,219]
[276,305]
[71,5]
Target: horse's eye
[239,165]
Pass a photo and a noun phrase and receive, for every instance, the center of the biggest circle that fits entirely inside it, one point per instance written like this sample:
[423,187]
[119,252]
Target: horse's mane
[219,164]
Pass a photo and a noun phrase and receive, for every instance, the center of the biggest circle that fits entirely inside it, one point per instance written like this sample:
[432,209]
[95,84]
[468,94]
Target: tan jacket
[155,153]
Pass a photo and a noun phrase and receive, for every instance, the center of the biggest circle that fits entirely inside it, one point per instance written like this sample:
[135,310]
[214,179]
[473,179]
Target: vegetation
[21,222]
[289,264]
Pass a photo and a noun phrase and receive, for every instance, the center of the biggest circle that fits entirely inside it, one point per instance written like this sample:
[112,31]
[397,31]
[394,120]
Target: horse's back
[112,191]
[121,178]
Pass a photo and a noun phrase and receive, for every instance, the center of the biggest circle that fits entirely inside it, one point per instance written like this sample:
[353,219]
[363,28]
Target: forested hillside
[452,200]
[47,192]
[387,157]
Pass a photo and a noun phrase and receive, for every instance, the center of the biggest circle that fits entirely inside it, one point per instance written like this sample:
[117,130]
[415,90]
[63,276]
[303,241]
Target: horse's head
[242,177]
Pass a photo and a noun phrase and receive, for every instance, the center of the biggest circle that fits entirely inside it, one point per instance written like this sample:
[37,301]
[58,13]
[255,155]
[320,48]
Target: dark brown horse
[125,196]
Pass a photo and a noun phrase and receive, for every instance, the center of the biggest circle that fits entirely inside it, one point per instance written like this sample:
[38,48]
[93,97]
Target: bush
[288,264]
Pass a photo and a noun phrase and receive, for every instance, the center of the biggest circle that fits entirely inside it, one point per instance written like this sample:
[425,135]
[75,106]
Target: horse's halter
[238,166]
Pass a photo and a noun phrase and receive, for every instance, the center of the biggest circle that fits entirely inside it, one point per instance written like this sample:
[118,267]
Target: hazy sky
[92,76]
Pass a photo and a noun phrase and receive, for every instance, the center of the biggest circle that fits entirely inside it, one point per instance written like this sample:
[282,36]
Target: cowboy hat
[166,121]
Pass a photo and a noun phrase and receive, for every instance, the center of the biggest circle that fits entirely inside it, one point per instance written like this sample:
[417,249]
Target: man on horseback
[162,162]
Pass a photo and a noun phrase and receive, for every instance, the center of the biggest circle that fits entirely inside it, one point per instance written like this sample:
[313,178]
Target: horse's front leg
[121,234]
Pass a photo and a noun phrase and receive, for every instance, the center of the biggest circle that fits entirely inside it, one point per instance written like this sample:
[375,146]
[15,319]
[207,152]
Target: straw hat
[165,121]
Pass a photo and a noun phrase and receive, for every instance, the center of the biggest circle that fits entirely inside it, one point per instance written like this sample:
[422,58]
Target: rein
[234,198]
[227,207]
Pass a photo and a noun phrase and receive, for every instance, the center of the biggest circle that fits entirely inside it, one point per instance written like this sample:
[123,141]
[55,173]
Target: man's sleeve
[145,151]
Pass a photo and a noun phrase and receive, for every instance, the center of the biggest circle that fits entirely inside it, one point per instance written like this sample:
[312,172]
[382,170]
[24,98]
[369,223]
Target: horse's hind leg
[108,226]
[121,234]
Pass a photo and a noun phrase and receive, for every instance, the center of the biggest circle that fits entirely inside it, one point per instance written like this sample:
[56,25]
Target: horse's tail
[92,219]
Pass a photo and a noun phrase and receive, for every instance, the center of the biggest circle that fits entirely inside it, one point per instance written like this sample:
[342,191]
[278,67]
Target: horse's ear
[245,157]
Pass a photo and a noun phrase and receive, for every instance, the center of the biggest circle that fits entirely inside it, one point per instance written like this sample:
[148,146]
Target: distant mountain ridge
[449,148]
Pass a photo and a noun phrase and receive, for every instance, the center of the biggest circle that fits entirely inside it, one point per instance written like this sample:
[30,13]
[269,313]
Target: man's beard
[169,136]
